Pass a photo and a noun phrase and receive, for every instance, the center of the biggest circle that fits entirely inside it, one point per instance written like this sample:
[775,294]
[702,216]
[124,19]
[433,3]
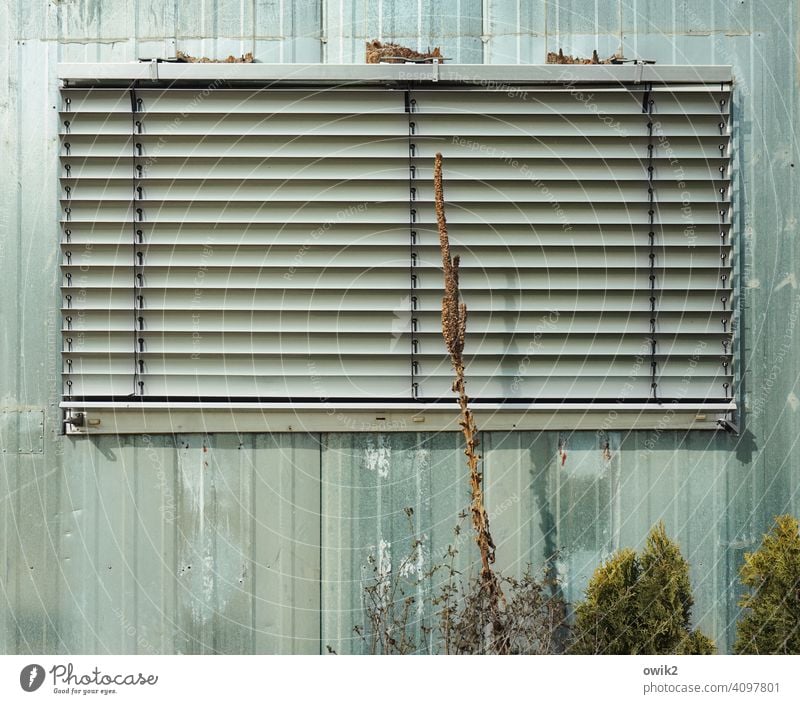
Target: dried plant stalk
[454,327]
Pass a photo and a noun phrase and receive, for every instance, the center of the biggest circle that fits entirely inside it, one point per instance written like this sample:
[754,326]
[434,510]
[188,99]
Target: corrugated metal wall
[259,543]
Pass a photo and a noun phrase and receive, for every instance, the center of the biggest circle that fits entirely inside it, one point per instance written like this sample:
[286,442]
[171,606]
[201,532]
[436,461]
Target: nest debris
[561,58]
[185,58]
[389,53]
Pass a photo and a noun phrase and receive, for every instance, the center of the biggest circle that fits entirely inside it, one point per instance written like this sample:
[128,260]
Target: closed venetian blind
[280,244]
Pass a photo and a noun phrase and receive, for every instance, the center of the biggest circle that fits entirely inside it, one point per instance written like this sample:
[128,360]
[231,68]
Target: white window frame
[85,417]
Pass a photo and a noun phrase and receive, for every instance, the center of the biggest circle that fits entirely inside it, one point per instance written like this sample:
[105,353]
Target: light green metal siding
[98,534]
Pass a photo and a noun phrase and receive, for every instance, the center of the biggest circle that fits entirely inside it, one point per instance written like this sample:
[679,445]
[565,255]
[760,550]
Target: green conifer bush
[640,604]
[771,621]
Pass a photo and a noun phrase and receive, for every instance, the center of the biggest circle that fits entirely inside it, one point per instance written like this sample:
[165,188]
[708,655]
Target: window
[265,255]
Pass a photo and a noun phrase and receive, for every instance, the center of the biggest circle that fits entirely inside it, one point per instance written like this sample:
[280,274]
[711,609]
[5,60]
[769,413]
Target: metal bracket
[728,426]
[79,422]
[76,420]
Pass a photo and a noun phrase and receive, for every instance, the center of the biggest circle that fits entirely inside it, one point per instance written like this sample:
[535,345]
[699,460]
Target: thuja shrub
[771,574]
[640,604]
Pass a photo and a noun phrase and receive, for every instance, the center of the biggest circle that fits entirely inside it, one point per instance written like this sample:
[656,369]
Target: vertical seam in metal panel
[323,37]
[419,25]
[176,487]
[18,263]
[293,34]
[340,31]
[255,25]
[546,48]
[135,39]
[253,540]
[134,478]
[282,32]
[320,610]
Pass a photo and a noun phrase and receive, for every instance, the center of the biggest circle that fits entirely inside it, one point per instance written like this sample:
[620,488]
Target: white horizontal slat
[560,368]
[296,358]
[570,214]
[487,256]
[572,101]
[241,168]
[94,191]
[305,147]
[84,238]
[184,344]
[275,256]
[582,387]
[385,214]
[608,147]
[347,321]
[232,298]
[582,257]
[278,364]
[542,340]
[315,214]
[606,124]
[394,278]
[99,385]
[385,277]
[381,147]
[233,125]
[198,101]
[538,341]
[226,386]
[275,365]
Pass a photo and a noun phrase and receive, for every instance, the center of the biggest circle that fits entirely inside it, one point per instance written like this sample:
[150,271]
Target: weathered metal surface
[98,534]
[21,431]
